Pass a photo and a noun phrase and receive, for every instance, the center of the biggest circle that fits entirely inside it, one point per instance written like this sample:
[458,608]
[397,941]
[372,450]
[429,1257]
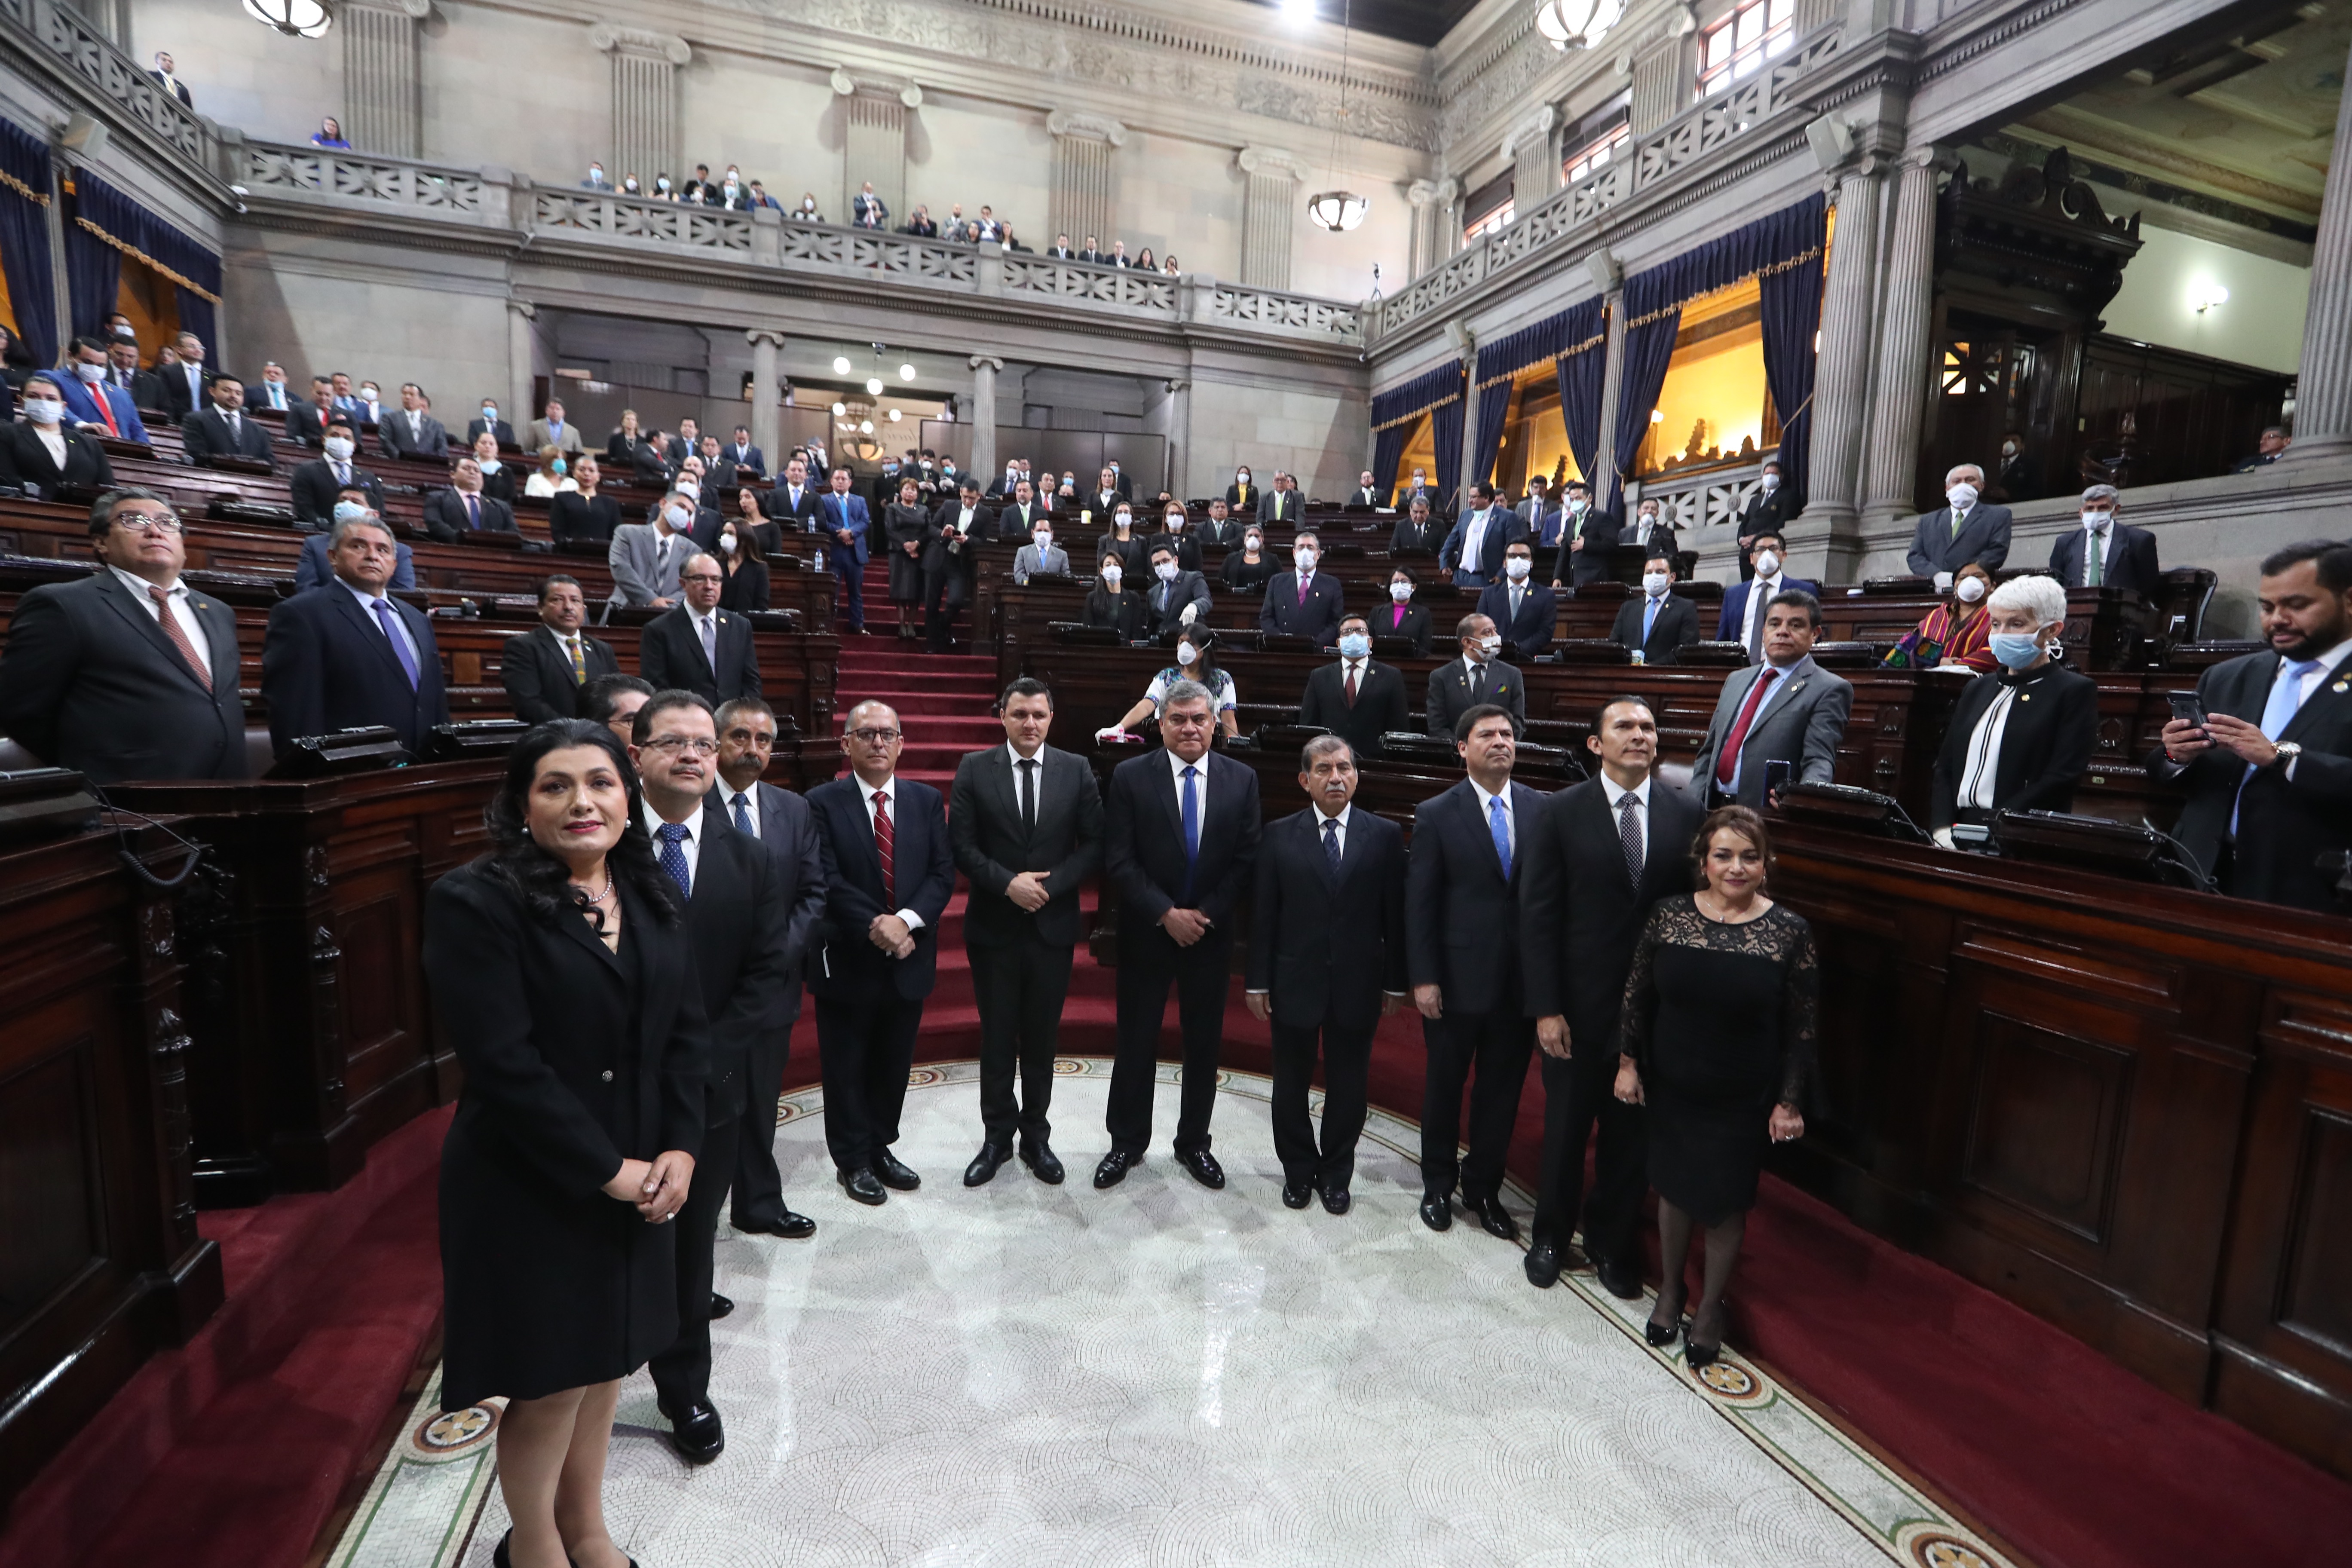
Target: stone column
[1180,436]
[2323,397]
[1662,84]
[1612,385]
[1085,197]
[644,98]
[1421,253]
[1533,147]
[766,431]
[983,415]
[874,142]
[1469,474]
[1842,371]
[381,102]
[1899,401]
[522,361]
[1273,176]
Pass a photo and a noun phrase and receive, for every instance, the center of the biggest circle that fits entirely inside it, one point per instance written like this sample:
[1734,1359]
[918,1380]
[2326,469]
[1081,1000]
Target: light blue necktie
[1498,823]
[391,623]
[1650,618]
[1191,829]
[1331,844]
[672,857]
[2286,695]
[742,813]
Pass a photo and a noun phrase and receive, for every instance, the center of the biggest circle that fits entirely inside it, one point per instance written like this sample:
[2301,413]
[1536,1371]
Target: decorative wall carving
[645,93]
[1273,176]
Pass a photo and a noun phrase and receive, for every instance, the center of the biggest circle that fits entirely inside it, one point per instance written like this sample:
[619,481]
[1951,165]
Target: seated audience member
[746,457]
[1475,679]
[2105,552]
[578,514]
[553,476]
[313,485]
[489,422]
[552,429]
[45,452]
[94,402]
[312,569]
[1400,617]
[1021,517]
[612,700]
[1168,268]
[1145,261]
[1956,633]
[2273,443]
[1303,602]
[1786,709]
[717,471]
[410,430]
[1966,528]
[463,509]
[1176,533]
[921,225]
[185,380]
[697,646]
[1250,567]
[1110,604]
[1356,697]
[1196,660]
[549,670]
[2020,740]
[1123,536]
[2267,775]
[221,429]
[305,422]
[1366,495]
[1221,528]
[330,134]
[1661,623]
[347,655]
[1587,535]
[1173,598]
[644,558]
[1522,609]
[1042,554]
[1742,620]
[79,689]
[497,475]
[748,515]
[1417,532]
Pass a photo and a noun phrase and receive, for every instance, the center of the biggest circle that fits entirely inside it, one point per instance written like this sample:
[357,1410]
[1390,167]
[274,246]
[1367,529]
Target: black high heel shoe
[1699,1356]
[1663,1335]
[501,1557]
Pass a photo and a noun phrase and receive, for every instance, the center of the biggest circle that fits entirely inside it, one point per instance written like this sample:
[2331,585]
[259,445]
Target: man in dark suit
[742,456]
[2268,449]
[1767,511]
[1180,848]
[1473,550]
[1020,520]
[451,514]
[221,429]
[1417,487]
[1367,496]
[410,430]
[314,568]
[1661,623]
[1417,530]
[698,647]
[1243,498]
[1400,617]
[888,875]
[793,504]
[1479,677]
[1742,618]
[1326,964]
[1026,822]
[546,670]
[1963,530]
[1303,602]
[92,677]
[93,400]
[306,423]
[2105,552]
[846,523]
[739,926]
[345,656]
[1221,529]
[313,485]
[687,443]
[181,386]
[1461,917]
[1522,609]
[1786,709]
[1597,856]
[1173,598]
[1355,698]
[1587,536]
[1283,504]
[166,76]
[2268,773]
[952,563]
[488,420]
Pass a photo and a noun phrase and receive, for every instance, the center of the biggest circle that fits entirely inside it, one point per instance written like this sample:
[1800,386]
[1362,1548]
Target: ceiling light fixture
[841,364]
[295,18]
[906,372]
[1338,210]
[1577,22]
[873,386]
[839,409]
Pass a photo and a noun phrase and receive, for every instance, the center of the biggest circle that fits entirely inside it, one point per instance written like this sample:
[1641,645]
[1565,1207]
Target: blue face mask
[558,467]
[1355,644]
[2015,650]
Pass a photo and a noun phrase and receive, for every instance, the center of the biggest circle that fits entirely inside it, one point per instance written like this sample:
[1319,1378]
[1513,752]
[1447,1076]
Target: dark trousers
[1497,1044]
[1579,1093]
[1346,1065]
[1020,990]
[682,1372]
[865,1046]
[853,582]
[939,616]
[1149,962]
[759,1187]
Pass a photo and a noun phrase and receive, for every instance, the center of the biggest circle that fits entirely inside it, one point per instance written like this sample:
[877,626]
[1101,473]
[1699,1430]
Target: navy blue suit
[1735,604]
[81,406]
[834,513]
[313,570]
[1539,615]
[326,665]
[869,1005]
[1318,618]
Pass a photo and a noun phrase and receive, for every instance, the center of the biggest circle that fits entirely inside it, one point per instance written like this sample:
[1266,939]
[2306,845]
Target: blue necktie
[383,613]
[742,813]
[672,857]
[1650,618]
[1331,845]
[2286,695]
[1192,830]
[1498,823]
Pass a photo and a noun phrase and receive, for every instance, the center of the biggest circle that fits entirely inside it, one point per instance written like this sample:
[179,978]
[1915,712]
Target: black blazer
[2283,824]
[1239,572]
[1590,565]
[502,430]
[205,434]
[1675,629]
[1325,946]
[2045,747]
[788,835]
[446,519]
[90,680]
[1766,515]
[1380,705]
[1415,625]
[25,461]
[2131,560]
[1143,846]
[306,424]
[1189,588]
[1580,916]
[538,676]
[1449,694]
[172,385]
[744,588]
[1013,523]
[1237,507]
[847,964]
[313,487]
[1123,612]
[1461,913]
[327,666]
[1531,634]
[1227,534]
[778,504]
[739,925]
[573,518]
[991,846]
[1317,619]
[1184,546]
[1427,536]
[670,654]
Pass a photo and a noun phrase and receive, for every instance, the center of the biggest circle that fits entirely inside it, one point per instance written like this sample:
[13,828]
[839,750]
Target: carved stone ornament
[1092,127]
[612,37]
[1271,161]
[842,83]
[1533,128]
[414,10]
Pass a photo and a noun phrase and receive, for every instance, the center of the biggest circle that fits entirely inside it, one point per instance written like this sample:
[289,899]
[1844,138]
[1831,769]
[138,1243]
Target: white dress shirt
[1759,593]
[182,611]
[1473,535]
[690,846]
[1176,766]
[1616,794]
[367,611]
[889,788]
[1984,751]
[706,632]
[1349,669]
[53,441]
[727,796]
[1486,813]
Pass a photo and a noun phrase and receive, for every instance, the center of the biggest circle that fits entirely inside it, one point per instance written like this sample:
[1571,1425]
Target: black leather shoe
[1042,1162]
[861,1186]
[1699,1356]
[1543,1266]
[719,1305]
[1619,1280]
[1296,1194]
[1203,1166]
[1660,1334]
[1335,1200]
[983,1169]
[696,1433]
[501,1555]
[1437,1211]
[1115,1166]
[1493,1216]
[892,1174]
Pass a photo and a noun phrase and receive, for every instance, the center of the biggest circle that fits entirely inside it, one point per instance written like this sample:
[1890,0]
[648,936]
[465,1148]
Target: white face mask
[1490,646]
[2009,449]
[677,518]
[1401,592]
[1242,478]
[94,374]
[488,465]
[1656,583]
[1970,590]
[1253,545]
[1649,520]
[727,542]
[44,410]
[1043,540]
[1768,564]
[1122,519]
[1111,574]
[1771,482]
[1961,496]
[1517,566]
[688,487]
[1306,559]
[1175,521]
[2097,518]
[1166,571]
[1186,653]
[338,447]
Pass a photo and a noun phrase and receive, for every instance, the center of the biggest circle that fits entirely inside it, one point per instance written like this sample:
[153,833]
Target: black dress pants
[1150,962]
[1579,1093]
[759,1187]
[682,1372]
[939,616]
[1020,990]
[1347,1066]
[1497,1044]
[865,1044]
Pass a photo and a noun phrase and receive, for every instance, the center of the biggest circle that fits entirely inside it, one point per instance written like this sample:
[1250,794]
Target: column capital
[1275,163]
[769,336]
[414,10]
[1180,386]
[990,361]
[612,37]
[1086,127]
[1423,194]
[524,309]
[1529,128]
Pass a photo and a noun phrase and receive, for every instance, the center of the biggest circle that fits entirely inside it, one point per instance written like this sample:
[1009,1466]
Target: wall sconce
[2204,297]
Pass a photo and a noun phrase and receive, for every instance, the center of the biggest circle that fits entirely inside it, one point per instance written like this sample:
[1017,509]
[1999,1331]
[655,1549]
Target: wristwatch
[2288,752]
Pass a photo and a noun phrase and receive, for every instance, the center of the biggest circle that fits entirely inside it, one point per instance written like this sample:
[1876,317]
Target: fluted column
[645,98]
[381,100]
[1899,401]
[1179,436]
[522,361]
[1662,86]
[1841,372]
[1603,478]
[1085,198]
[1273,176]
[983,415]
[874,142]
[1534,151]
[765,431]
[2323,397]
[1469,474]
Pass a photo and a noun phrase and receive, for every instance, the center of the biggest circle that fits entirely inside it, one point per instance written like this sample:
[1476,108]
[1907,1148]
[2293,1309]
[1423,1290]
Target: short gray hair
[343,527]
[1186,691]
[2042,595]
[1957,470]
[2107,493]
[1322,746]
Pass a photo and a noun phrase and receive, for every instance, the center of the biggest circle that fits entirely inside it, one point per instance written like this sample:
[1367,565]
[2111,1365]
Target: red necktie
[1351,686]
[1728,764]
[106,411]
[884,845]
[179,635]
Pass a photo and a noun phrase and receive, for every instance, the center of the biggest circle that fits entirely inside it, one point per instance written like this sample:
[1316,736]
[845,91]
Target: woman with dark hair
[561,967]
[743,566]
[1250,567]
[46,451]
[1717,1040]
[1196,660]
[579,515]
[330,134]
[1956,634]
[907,528]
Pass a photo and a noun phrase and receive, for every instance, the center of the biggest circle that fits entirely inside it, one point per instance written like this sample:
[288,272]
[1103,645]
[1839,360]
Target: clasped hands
[889,933]
[657,1187]
[2184,741]
[1028,890]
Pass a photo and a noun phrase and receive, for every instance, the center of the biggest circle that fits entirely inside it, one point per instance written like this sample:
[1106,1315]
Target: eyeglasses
[143,523]
[696,746]
[874,737]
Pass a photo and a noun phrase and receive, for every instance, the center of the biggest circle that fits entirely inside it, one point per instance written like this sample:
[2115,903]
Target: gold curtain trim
[1596,341]
[1797,261]
[1409,418]
[132,251]
[22,189]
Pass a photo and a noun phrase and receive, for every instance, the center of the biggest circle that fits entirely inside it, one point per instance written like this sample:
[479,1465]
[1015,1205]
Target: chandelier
[1338,210]
[1578,22]
[295,18]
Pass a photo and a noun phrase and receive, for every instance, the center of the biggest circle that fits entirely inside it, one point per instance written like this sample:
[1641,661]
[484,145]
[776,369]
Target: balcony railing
[80,49]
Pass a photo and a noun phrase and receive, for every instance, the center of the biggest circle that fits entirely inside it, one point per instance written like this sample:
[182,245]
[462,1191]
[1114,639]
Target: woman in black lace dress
[1719,1038]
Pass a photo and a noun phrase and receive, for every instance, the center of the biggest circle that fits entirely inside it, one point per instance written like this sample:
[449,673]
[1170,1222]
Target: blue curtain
[1792,317]
[1448,420]
[25,239]
[1494,407]
[1505,357]
[1649,345]
[94,268]
[1387,451]
[1395,412]
[1581,368]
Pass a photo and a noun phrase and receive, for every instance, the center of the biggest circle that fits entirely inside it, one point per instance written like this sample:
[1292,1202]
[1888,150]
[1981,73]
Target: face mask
[1649,520]
[630,186]
[1577,507]
[1767,564]
[1114,470]
[662,184]
[2009,449]
[339,447]
[2015,650]
[348,511]
[1517,566]
[92,373]
[488,465]
[891,467]
[558,467]
[44,410]
[1252,545]
[370,394]
[678,517]
[1186,653]
[688,487]
[1175,522]
[1122,519]
[1306,559]
[1355,644]
[1970,590]
[1771,483]
[1656,583]
[1167,571]
[489,415]
[1401,592]
[1490,646]
[594,172]
[1111,575]
[1044,541]
[1241,479]
[727,542]
[946,466]
[1962,497]
[2097,518]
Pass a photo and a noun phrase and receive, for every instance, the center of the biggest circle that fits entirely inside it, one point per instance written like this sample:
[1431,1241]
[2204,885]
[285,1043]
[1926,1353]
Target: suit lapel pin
[2341,685]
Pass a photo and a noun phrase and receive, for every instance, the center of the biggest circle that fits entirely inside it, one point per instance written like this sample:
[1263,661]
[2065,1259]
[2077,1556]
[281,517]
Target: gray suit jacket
[1026,561]
[1984,538]
[631,556]
[392,431]
[1800,725]
[535,435]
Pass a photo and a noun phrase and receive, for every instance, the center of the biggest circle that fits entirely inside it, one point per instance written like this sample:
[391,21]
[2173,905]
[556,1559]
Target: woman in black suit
[24,456]
[743,566]
[1111,605]
[906,529]
[582,516]
[1250,566]
[2020,739]
[561,969]
[1124,541]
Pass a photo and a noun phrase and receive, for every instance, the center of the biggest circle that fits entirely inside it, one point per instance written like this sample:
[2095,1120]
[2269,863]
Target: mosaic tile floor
[1164,1375]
